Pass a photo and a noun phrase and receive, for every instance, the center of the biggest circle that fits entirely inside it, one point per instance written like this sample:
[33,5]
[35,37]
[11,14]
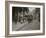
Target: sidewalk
[34,25]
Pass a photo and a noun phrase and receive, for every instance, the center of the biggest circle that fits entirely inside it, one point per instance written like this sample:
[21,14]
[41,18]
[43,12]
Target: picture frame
[9,5]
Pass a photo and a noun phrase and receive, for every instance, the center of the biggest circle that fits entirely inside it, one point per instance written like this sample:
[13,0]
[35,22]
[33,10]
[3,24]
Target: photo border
[20,5]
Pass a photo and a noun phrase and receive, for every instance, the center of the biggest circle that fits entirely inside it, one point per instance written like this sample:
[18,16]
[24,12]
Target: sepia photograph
[25,18]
